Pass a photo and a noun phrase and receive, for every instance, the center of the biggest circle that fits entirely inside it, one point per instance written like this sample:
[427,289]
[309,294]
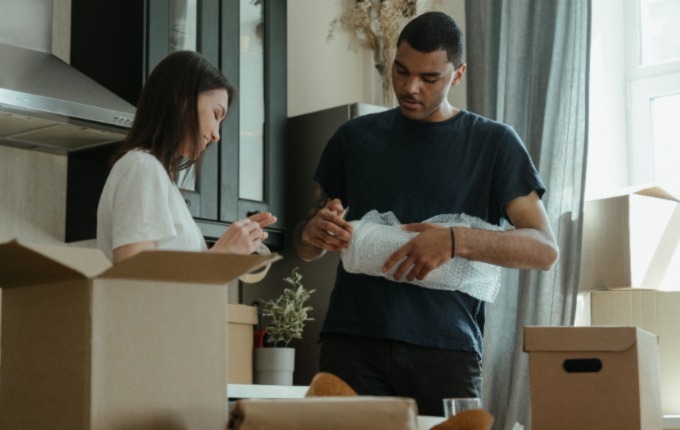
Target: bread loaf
[327,384]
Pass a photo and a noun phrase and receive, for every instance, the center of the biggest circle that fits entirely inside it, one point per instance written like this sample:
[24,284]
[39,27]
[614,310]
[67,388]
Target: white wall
[323,74]
[26,23]
[32,196]
[607,167]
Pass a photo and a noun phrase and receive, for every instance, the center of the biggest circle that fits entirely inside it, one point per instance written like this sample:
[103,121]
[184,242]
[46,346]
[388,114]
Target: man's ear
[458,74]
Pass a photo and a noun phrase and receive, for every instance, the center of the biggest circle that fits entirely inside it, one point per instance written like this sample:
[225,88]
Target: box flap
[658,192]
[242,314]
[88,261]
[579,338]
[24,264]
[190,267]
[648,190]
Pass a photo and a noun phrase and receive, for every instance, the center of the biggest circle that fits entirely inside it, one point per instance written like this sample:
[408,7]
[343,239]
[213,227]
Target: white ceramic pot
[274,366]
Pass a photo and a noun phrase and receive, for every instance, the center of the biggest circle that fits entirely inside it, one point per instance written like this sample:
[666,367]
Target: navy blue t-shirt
[467,164]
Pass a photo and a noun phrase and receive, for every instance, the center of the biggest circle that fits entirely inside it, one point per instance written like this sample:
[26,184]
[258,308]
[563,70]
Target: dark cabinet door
[194,25]
[257,125]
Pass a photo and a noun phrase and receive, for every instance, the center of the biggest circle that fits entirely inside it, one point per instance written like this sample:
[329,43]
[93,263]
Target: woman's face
[212,108]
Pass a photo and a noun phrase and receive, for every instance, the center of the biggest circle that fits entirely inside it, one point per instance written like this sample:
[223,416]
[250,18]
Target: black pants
[384,367]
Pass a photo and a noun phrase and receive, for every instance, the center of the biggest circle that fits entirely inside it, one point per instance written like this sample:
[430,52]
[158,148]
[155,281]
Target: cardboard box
[242,322]
[632,240]
[604,378]
[314,413]
[138,345]
[655,311]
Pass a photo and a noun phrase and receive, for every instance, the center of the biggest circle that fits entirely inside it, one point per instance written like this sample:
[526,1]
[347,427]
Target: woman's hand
[245,235]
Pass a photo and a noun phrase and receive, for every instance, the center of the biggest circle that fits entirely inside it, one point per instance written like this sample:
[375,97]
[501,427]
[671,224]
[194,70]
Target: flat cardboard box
[632,240]
[604,378]
[655,311]
[313,413]
[138,345]
[242,322]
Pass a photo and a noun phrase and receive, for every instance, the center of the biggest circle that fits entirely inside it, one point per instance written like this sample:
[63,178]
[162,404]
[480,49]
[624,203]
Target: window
[634,95]
[659,31]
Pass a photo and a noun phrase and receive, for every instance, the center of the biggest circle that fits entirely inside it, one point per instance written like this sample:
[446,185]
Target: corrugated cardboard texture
[45,356]
[337,413]
[173,365]
[631,241]
[655,311]
[243,314]
[242,320]
[622,395]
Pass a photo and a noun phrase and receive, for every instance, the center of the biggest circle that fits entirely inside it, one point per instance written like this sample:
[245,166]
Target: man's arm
[324,229]
[531,245]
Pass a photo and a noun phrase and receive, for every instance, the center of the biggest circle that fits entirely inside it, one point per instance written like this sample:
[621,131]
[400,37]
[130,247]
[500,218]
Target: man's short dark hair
[433,31]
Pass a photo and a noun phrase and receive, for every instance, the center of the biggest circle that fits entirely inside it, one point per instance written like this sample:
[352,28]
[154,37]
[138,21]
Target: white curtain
[528,67]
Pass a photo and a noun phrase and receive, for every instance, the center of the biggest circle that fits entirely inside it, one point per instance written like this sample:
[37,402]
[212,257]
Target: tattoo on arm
[305,250]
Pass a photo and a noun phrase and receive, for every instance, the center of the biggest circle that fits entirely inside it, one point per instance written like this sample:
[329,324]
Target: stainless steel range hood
[47,105]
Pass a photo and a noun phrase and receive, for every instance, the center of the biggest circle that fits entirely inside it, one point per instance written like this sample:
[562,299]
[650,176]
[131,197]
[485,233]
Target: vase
[274,366]
[382,59]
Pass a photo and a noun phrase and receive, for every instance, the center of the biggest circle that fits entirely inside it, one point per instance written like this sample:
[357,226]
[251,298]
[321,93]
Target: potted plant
[287,315]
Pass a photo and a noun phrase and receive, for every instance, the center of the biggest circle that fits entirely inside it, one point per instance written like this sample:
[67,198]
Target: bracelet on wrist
[453,243]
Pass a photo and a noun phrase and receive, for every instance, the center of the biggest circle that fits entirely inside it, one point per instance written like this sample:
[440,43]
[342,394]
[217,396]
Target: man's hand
[328,230]
[422,254]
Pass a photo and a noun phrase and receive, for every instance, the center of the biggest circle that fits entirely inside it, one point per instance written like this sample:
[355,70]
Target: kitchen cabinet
[262,96]
[119,43]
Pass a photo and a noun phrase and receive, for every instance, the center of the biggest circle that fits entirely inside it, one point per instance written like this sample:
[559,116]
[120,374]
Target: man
[424,158]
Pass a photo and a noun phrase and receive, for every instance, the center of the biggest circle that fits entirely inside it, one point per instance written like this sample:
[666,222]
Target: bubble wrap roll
[377,236]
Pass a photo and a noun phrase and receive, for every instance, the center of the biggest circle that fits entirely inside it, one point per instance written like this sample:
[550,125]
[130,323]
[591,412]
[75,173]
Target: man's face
[422,81]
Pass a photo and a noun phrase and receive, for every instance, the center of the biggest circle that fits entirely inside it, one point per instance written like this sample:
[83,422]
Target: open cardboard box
[138,345]
[604,378]
[632,241]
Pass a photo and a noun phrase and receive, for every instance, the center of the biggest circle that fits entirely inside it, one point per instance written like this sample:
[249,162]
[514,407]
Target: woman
[179,114]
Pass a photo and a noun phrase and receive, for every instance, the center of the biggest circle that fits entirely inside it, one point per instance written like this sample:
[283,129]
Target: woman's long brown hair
[167,112]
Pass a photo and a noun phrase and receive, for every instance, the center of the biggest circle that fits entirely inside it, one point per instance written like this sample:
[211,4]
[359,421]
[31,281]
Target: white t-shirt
[140,203]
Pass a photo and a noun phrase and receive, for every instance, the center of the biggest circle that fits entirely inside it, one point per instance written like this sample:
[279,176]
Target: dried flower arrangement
[375,25]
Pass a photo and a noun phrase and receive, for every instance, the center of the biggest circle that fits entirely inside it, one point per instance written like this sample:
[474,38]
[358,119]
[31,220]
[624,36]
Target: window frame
[643,84]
